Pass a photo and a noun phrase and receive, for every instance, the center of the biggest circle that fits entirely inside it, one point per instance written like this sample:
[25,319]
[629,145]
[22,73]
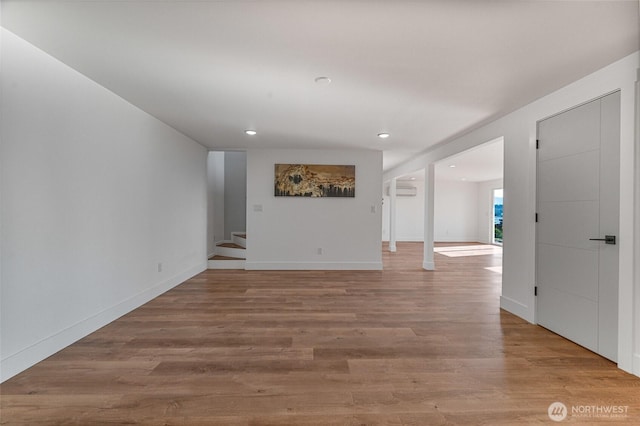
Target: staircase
[230,254]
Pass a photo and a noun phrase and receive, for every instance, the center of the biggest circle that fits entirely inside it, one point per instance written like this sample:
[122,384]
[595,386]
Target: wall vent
[405,191]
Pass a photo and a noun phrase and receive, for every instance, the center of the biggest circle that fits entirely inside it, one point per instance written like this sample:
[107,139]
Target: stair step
[230,249]
[239,238]
[230,245]
[218,257]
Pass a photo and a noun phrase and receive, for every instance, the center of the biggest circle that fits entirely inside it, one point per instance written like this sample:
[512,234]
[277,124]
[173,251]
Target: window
[497,216]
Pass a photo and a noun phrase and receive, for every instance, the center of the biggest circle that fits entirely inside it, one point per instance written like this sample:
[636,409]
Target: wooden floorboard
[401,346]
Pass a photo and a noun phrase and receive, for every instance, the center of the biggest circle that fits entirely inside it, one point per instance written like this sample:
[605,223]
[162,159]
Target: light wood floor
[399,346]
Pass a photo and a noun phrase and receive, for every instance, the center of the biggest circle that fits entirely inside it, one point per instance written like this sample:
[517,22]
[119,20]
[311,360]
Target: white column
[429,185]
[393,186]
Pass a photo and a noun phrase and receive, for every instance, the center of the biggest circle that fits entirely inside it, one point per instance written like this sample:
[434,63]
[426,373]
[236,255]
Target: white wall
[519,132]
[458,206]
[288,232]
[95,194]
[215,199]
[455,211]
[485,209]
[409,213]
[235,192]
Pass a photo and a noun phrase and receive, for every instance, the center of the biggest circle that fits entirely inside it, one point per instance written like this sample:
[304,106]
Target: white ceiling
[482,163]
[479,164]
[424,71]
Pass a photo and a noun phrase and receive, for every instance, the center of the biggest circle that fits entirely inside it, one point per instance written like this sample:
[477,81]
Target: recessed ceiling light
[251,132]
[413,178]
[324,81]
[464,179]
[452,166]
[383,135]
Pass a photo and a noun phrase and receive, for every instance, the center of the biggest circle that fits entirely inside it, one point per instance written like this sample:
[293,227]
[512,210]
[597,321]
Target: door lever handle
[608,239]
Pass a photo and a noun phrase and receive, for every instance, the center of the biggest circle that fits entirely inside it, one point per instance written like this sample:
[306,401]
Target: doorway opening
[464,202]
[498,195]
[227,209]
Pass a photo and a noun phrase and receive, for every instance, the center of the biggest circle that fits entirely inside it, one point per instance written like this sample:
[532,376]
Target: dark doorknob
[608,239]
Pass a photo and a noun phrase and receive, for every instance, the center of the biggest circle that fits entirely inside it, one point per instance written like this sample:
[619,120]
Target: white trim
[314,266]
[226,264]
[411,239]
[629,331]
[516,308]
[636,364]
[29,356]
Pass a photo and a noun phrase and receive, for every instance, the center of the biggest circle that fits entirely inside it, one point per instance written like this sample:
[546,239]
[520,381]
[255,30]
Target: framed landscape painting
[314,180]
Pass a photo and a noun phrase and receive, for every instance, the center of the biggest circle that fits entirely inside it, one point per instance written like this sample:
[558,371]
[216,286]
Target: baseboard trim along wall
[313,266]
[410,238]
[636,364]
[46,347]
[515,308]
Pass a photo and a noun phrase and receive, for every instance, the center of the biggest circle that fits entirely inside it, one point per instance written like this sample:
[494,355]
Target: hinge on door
[537,143]
[536,217]
[535,290]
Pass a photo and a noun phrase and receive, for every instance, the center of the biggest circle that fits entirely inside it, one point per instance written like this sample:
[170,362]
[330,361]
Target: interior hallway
[399,346]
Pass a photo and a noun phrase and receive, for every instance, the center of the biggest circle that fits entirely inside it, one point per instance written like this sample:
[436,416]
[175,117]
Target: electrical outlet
[319,251]
[159,266]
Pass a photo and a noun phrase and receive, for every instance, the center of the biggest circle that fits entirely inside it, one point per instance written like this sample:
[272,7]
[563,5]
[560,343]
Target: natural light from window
[469,250]
[497,216]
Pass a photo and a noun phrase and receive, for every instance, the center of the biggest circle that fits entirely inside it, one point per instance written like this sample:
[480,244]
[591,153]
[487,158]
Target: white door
[578,201]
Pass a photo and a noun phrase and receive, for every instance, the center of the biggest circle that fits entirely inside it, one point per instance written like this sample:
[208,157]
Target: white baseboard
[636,365]
[31,355]
[313,266]
[226,264]
[515,308]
